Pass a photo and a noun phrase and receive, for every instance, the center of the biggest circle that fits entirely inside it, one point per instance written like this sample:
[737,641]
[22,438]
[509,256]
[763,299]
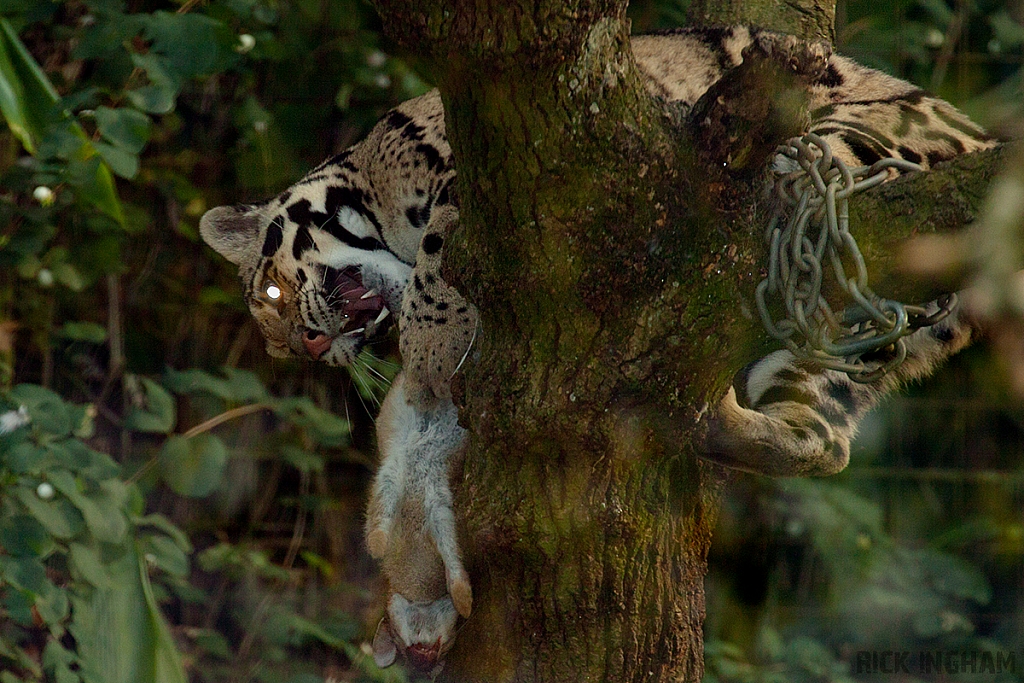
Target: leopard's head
[315,273]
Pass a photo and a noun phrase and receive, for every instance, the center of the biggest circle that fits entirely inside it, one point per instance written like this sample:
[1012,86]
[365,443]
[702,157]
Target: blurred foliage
[165,515]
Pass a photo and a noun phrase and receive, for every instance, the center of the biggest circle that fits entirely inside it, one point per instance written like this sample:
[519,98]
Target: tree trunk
[613,270]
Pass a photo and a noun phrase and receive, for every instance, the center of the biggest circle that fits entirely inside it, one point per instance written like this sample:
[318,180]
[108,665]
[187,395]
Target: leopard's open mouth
[365,313]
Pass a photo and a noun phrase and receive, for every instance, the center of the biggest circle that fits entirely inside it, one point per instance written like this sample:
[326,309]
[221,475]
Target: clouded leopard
[325,263]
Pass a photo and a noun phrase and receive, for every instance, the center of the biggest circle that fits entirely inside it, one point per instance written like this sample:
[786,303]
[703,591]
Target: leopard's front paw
[807,59]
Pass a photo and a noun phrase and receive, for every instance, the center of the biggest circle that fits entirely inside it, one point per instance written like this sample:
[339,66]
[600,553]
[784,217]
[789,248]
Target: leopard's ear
[232,231]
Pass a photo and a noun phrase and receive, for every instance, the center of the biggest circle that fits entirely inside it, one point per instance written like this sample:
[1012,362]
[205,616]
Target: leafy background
[175,505]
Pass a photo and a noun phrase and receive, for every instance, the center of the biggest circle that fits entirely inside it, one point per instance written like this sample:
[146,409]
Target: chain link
[864,340]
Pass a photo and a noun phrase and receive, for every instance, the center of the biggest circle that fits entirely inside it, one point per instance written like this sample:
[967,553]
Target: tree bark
[811,20]
[614,270]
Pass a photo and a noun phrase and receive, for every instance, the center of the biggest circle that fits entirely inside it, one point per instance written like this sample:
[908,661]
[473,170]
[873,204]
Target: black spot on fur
[354,198]
[822,112]
[432,243]
[441,321]
[935,157]
[843,394]
[739,384]
[430,278]
[914,97]
[790,375]
[872,133]
[428,300]
[275,236]
[285,196]
[300,213]
[909,154]
[301,274]
[943,334]
[461,309]
[303,242]
[397,119]
[867,149]
[417,283]
[417,216]
[441,306]
[444,197]
[805,431]
[955,144]
[863,149]
[435,162]
[909,117]
[713,37]
[340,159]
[413,132]
[337,197]
[779,394]
[831,78]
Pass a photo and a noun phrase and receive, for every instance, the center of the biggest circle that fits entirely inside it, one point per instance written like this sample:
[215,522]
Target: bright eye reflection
[274,292]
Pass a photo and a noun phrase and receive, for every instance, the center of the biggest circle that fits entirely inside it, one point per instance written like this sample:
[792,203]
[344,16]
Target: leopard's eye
[272,291]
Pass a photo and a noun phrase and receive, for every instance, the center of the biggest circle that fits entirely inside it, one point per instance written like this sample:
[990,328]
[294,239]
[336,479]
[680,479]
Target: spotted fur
[325,262]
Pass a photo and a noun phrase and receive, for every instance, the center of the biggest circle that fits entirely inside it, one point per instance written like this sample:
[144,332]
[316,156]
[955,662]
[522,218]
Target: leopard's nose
[316,343]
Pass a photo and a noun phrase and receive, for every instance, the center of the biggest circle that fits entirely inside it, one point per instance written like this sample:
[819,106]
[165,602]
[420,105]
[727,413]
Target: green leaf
[68,275]
[58,515]
[58,660]
[167,665]
[121,634]
[84,331]
[97,466]
[246,387]
[24,536]
[18,605]
[193,466]
[159,96]
[126,128]
[121,162]
[86,560]
[954,576]
[239,386]
[53,606]
[191,44]
[26,573]
[27,99]
[165,554]
[29,103]
[302,460]
[213,643]
[97,187]
[157,415]
[327,428]
[24,458]
[102,512]
[158,521]
[46,408]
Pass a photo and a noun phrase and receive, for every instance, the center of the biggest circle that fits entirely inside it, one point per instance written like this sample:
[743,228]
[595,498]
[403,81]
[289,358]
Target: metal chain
[865,340]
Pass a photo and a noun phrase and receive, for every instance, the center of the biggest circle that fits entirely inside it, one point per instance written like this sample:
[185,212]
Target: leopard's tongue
[364,312]
[357,302]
